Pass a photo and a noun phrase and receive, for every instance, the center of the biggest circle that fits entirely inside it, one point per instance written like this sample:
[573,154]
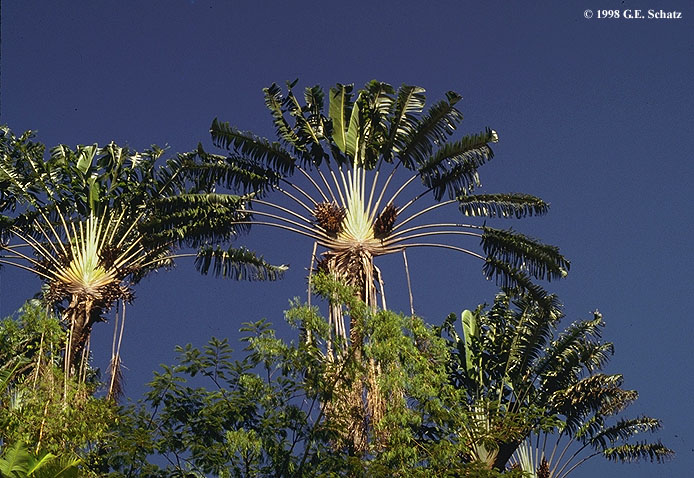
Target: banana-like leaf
[309,133]
[94,194]
[340,109]
[314,97]
[193,219]
[518,282]
[355,134]
[473,148]
[471,331]
[233,172]
[85,156]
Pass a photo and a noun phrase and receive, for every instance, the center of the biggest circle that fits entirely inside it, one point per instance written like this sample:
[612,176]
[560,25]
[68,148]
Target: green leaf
[37,464]
[340,108]
[471,330]
[408,103]
[251,147]
[234,172]
[434,128]
[453,167]
[15,461]
[627,453]
[354,131]
[524,254]
[94,194]
[239,264]
[274,102]
[85,156]
[502,205]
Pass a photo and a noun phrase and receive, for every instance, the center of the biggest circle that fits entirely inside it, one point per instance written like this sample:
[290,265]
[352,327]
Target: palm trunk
[360,405]
[81,317]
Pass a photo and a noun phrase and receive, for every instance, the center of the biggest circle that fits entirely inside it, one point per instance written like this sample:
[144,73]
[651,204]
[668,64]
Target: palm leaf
[502,205]
[541,261]
[194,219]
[408,103]
[654,452]
[598,394]
[232,172]
[173,204]
[17,184]
[518,282]
[340,110]
[275,102]
[314,98]
[376,102]
[623,430]
[457,163]
[252,147]
[534,328]
[308,130]
[15,460]
[435,127]
[171,177]
[565,359]
[239,264]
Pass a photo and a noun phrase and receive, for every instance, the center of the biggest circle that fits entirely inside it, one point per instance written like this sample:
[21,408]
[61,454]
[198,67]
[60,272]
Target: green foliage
[38,406]
[17,462]
[520,372]
[268,411]
[136,213]
[168,205]
[363,132]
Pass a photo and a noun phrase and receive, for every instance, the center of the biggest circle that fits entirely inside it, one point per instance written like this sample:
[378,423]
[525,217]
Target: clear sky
[595,115]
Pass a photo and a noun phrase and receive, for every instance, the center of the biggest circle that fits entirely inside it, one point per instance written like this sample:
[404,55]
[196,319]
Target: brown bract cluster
[385,222]
[329,217]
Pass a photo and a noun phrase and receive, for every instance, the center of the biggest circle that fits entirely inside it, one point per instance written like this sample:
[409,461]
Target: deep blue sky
[595,116]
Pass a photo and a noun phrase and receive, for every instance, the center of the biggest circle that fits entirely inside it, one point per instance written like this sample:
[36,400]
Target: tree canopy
[502,391]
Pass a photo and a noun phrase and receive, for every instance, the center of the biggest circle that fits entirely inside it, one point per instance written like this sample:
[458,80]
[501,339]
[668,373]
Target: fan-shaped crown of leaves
[357,159]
